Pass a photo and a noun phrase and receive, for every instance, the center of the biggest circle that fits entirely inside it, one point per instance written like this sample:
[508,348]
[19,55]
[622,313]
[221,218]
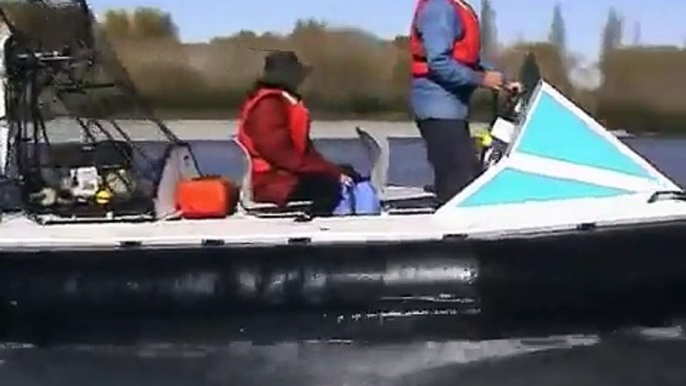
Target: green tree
[117,24]
[152,23]
[309,27]
[558,31]
[529,72]
[489,33]
[402,42]
[612,34]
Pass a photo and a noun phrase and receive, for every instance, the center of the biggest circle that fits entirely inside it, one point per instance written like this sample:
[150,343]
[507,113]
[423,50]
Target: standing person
[275,130]
[446,69]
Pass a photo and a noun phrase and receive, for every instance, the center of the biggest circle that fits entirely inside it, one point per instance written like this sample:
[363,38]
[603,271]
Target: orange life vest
[299,118]
[466,48]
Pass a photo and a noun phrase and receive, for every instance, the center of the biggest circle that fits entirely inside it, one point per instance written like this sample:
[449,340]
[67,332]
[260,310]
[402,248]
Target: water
[629,358]
[408,158]
[668,155]
[634,357]
[218,155]
[409,165]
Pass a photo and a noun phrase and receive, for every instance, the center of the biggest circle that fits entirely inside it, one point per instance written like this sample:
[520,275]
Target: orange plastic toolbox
[206,197]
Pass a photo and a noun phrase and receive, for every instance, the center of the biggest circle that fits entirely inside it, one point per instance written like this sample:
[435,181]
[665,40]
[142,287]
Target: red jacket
[273,136]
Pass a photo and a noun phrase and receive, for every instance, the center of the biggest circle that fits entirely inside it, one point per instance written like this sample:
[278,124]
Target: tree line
[359,75]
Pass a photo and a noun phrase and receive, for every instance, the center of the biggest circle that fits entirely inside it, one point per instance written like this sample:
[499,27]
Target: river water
[409,165]
[632,357]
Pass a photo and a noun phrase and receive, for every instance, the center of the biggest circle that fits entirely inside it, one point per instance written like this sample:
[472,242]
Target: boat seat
[263,209]
[378,156]
[378,153]
[179,164]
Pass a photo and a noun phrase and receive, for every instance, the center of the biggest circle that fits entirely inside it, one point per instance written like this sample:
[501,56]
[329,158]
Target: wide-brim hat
[280,63]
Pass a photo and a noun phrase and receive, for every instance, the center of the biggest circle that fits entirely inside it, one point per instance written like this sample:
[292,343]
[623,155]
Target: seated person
[275,130]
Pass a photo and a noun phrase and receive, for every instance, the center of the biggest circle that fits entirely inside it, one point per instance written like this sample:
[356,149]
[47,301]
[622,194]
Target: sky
[661,21]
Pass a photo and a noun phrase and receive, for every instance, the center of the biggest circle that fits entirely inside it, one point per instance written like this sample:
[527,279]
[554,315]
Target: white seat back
[246,195]
[179,165]
[378,152]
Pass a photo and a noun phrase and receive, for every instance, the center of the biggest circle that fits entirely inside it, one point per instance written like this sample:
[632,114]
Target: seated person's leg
[324,193]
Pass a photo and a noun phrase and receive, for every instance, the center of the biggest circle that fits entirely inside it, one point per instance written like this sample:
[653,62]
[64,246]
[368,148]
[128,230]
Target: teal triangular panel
[512,186]
[554,131]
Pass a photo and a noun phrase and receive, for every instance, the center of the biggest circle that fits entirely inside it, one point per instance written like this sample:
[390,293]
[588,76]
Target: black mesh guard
[96,84]
[49,25]
[89,98]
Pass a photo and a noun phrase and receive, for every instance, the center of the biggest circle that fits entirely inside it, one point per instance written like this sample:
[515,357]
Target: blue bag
[359,199]
[345,206]
[366,199]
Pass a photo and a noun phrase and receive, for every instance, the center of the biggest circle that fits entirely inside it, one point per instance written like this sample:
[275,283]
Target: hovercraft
[565,221]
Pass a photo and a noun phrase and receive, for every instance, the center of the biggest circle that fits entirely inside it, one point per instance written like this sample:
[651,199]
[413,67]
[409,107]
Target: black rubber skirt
[623,273]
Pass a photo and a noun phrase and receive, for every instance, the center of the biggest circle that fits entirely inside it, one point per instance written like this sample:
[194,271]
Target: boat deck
[239,229]
[20,232]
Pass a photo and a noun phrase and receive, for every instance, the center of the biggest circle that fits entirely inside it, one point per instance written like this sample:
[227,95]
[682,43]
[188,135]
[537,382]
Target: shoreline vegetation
[358,76]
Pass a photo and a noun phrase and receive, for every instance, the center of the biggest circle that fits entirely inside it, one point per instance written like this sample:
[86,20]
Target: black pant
[451,153]
[323,191]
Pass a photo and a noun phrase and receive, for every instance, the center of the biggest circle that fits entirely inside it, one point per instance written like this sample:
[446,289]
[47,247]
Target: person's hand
[514,87]
[350,172]
[493,80]
[347,180]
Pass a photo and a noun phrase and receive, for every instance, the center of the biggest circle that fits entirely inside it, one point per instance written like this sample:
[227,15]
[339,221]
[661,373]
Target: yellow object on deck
[486,140]
[103,197]
[483,139]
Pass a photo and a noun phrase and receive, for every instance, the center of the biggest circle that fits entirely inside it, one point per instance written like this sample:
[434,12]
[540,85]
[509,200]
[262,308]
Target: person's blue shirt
[446,94]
